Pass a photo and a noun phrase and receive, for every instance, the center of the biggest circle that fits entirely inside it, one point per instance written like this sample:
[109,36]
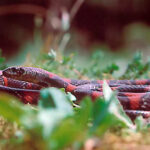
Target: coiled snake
[26,82]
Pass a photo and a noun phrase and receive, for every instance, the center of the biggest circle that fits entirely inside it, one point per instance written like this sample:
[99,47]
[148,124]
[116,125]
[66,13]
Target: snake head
[13,72]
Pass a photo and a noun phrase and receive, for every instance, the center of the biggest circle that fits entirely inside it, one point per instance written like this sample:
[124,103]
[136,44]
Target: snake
[26,83]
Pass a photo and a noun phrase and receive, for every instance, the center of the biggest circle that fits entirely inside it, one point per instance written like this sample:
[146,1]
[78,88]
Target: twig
[75,8]
[64,42]
[66,37]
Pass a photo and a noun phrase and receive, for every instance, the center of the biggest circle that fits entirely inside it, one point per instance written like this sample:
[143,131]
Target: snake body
[25,83]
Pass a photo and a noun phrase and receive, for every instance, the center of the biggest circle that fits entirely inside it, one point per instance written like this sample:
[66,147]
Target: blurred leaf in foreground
[108,112]
[54,107]
[56,125]
[141,124]
[10,108]
[74,128]
[115,107]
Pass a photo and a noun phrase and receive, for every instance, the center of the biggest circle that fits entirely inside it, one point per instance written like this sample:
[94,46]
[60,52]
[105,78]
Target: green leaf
[84,114]
[102,119]
[111,68]
[73,128]
[115,107]
[136,68]
[66,134]
[52,55]
[54,98]
[140,124]
[10,108]
[54,107]
[71,97]
[108,112]
[46,100]
[49,119]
